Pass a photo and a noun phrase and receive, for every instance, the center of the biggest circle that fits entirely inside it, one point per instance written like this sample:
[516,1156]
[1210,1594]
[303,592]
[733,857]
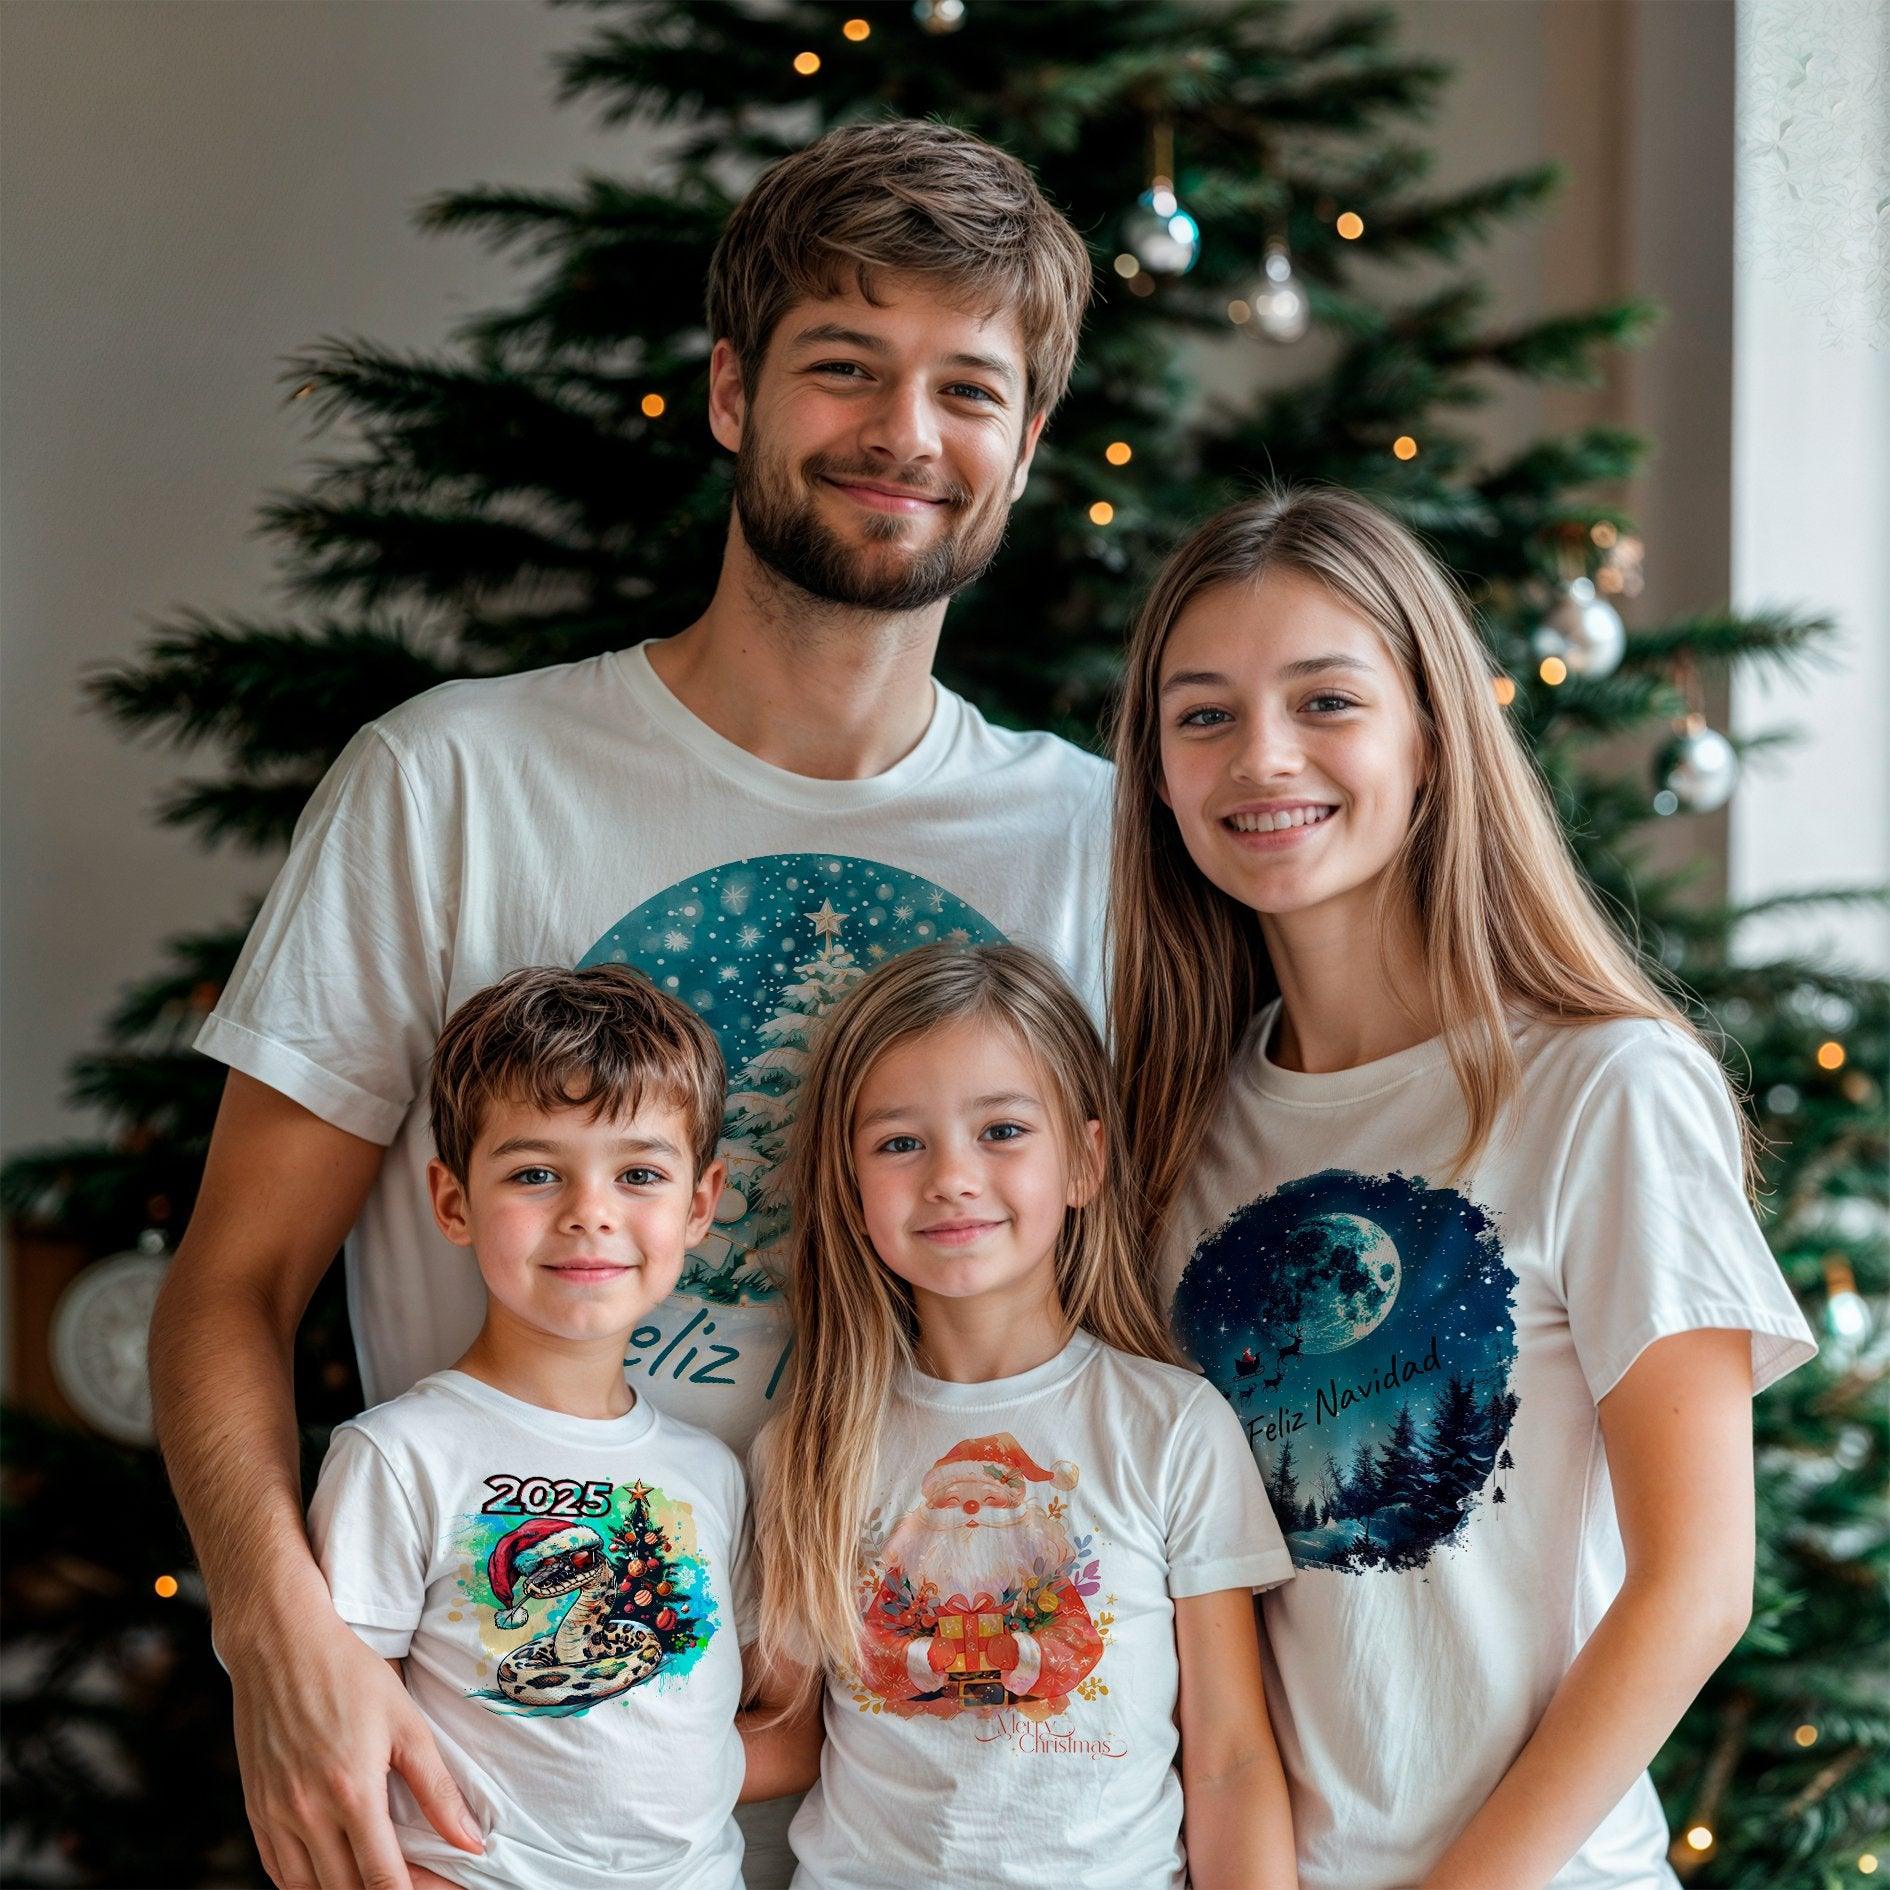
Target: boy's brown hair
[905,197]
[602,1038]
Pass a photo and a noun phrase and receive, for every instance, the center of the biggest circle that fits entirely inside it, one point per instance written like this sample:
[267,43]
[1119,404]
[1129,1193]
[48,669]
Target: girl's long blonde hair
[1505,920]
[854,1321]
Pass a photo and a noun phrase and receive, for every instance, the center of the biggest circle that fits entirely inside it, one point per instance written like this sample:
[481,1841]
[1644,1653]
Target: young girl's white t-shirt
[453,1524]
[1417,1363]
[1012,1718]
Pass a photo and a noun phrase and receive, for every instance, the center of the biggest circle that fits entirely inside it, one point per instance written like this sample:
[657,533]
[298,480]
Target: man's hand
[320,1721]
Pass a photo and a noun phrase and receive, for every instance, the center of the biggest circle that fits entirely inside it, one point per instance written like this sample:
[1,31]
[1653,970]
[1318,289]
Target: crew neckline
[781,786]
[951,1394]
[1330,1087]
[556,1426]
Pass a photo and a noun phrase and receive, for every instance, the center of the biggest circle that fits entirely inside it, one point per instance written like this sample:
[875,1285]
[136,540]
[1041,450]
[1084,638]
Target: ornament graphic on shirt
[976,1601]
[1363,1328]
[764,948]
[607,1592]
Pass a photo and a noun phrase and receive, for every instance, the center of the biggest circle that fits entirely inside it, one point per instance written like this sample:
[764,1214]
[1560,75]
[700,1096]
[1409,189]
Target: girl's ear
[449,1203]
[1086,1169]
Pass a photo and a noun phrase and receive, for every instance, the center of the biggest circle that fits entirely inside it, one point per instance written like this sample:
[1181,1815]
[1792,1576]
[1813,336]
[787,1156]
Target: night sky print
[1363,1328]
[762,948]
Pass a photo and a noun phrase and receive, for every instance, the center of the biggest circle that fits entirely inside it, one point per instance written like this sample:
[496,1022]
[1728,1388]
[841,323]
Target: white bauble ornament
[1583,630]
[1159,234]
[100,1341]
[939,16]
[1280,309]
[1696,772]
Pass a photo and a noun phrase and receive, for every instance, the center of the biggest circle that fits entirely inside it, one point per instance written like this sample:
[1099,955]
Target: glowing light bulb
[1351,226]
[1101,512]
[653,405]
[807,64]
[1118,452]
[1404,447]
[1830,1055]
[856,29]
[1700,1838]
[1505,687]
[1553,671]
[165,1586]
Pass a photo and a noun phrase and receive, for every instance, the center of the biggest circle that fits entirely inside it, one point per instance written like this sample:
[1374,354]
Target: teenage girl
[1016,1544]
[1455,1215]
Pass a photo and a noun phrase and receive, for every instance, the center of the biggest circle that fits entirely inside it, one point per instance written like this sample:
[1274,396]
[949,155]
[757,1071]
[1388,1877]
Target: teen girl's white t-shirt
[1012,1717]
[1417,1364]
[569,1597]
[582,813]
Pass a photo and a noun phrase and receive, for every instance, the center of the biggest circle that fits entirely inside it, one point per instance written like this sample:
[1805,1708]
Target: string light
[166,1586]
[1805,1736]
[1142,283]
[1404,447]
[1126,265]
[1505,687]
[1118,452]
[1553,671]
[653,405]
[1830,1055]
[1603,534]
[1101,512]
[303,392]
[807,64]
[1867,1864]
[1351,226]
[1700,1838]
[1239,311]
[856,29]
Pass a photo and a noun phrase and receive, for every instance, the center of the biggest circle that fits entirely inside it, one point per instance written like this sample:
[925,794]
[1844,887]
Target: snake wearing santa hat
[588,1654]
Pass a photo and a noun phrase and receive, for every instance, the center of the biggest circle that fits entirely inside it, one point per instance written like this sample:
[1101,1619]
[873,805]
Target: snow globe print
[1363,1328]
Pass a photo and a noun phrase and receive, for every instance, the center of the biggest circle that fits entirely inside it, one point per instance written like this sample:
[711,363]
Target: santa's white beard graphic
[963,1555]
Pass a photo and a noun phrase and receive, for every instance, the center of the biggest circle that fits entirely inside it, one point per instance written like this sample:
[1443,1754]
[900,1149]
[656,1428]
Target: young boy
[559,1568]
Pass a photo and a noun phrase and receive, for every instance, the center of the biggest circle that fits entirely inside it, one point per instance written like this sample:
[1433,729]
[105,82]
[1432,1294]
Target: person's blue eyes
[899,1145]
[643,1177]
[532,1177]
[1194,717]
[1006,1131]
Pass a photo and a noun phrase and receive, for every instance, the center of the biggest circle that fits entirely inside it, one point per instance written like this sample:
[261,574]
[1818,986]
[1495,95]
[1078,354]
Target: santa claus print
[976,1598]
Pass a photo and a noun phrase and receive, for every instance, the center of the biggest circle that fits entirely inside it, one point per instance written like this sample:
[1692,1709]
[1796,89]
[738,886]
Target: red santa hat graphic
[999,1457]
[529,1547]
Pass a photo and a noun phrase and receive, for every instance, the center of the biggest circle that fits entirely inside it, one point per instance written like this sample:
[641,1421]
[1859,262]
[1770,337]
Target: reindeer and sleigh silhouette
[1247,1365]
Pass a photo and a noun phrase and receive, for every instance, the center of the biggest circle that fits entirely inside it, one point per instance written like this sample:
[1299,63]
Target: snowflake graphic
[748,937]
[675,941]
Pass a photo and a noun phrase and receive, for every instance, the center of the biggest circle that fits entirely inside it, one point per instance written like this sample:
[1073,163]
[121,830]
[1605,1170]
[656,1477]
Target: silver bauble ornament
[939,16]
[1583,630]
[100,1333]
[1696,771]
[1280,312]
[1159,234]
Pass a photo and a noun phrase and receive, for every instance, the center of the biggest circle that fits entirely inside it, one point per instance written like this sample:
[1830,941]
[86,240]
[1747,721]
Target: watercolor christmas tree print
[1363,1328]
[764,948]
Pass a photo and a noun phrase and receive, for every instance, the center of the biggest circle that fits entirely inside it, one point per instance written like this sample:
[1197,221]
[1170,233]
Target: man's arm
[320,1719]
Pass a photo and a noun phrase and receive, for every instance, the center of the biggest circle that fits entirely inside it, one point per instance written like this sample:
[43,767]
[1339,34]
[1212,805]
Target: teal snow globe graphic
[763,949]
[1363,1328]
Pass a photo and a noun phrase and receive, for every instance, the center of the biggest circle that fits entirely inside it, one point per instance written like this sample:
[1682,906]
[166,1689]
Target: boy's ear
[708,1192]
[449,1203]
[1086,1172]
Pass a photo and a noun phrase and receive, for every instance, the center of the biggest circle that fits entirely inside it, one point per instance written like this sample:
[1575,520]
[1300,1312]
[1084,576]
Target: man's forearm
[223,1393]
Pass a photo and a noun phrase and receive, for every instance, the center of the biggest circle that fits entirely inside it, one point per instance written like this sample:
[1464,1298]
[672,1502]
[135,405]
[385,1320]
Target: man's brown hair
[602,1039]
[907,197]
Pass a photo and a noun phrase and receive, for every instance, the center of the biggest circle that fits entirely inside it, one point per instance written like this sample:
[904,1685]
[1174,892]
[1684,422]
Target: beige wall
[193,189]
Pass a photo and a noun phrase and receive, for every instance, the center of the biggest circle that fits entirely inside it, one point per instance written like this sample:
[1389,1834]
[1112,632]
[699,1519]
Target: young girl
[1455,1215]
[1018,1542]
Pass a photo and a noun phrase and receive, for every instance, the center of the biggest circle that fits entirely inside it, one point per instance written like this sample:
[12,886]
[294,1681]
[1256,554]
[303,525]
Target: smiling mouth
[882,498]
[956,1233]
[591,1269]
[1284,821]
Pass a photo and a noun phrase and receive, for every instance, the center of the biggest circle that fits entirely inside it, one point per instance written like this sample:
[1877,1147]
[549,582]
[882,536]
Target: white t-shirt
[582,813]
[1417,1364]
[569,1596]
[1012,1718]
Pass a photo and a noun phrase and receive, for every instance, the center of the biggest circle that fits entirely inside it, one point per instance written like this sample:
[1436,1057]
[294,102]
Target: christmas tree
[519,495]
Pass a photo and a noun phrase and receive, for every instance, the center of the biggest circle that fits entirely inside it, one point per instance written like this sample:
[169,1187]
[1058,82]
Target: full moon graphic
[763,948]
[1363,1329]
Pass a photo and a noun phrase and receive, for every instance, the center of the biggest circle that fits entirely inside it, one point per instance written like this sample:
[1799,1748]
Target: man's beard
[787,535]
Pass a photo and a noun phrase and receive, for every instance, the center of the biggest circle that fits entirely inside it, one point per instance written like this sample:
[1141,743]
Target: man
[753,811]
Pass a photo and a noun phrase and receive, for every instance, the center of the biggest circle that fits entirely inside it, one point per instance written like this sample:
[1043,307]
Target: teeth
[1275,823]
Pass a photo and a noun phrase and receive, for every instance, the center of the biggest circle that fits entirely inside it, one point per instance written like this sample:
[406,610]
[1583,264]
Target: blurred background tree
[542,488]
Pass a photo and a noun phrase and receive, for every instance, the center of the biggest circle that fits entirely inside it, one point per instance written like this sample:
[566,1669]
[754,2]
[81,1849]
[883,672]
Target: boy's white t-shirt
[1418,1363]
[1012,1718]
[579,814]
[570,1597]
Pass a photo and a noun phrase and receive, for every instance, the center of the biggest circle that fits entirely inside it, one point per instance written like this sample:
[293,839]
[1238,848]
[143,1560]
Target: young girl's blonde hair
[1505,920]
[854,1320]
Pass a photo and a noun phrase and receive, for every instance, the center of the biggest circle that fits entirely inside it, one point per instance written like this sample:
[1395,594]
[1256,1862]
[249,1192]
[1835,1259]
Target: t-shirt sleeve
[1653,1232]
[340,989]
[1221,1528]
[373,1549]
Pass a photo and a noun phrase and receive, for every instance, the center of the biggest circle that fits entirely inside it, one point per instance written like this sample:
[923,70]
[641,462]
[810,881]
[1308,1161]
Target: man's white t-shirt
[582,813]
[569,1597]
[1417,1363]
[1012,1717]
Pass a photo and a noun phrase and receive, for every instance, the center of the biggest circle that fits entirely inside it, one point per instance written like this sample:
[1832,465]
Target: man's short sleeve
[340,990]
[371,1544]
[1653,1233]
[1221,1528]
